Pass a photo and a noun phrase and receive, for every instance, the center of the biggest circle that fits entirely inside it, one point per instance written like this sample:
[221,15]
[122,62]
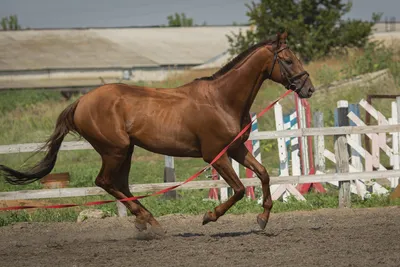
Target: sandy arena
[348,237]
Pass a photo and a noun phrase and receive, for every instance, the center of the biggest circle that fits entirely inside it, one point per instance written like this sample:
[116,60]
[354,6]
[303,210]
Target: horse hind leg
[135,207]
[113,178]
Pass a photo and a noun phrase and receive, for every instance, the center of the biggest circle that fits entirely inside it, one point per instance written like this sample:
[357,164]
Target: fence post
[283,155]
[294,145]
[319,142]
[355,156]
[122,212]
[395,159]
[282,150]
[236,168]
[169,175]
[342,155]
[301,122]
[398,134]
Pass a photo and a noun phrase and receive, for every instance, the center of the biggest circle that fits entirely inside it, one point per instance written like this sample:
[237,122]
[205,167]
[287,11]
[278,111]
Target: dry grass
[335,63]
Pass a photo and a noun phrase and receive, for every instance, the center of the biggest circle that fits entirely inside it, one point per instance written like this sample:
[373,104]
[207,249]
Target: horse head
[289,71]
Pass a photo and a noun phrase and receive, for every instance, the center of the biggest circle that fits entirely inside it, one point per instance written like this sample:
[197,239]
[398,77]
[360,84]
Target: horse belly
[175,151]
[167,142]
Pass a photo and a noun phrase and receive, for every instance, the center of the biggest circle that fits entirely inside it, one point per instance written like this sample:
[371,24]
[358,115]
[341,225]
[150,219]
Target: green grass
[22,99]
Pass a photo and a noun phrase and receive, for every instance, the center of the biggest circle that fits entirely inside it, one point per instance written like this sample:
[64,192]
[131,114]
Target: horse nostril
[311,90]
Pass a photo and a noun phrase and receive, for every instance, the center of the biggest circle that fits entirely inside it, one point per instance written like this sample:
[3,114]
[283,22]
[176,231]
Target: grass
[22,99]
[29,116]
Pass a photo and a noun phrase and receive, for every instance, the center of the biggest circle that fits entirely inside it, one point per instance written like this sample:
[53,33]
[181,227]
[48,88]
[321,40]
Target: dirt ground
[349,237]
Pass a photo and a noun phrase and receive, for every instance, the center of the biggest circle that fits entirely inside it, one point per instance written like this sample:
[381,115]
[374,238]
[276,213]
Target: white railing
[141,188]
[262,135]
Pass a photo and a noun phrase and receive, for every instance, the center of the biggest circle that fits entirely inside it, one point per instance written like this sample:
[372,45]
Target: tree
[179,20]
[315,27]
[10,23]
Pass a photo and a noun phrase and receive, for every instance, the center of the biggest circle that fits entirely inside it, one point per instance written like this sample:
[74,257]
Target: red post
[249,173]
[305,188]
[309,138]
[213,193]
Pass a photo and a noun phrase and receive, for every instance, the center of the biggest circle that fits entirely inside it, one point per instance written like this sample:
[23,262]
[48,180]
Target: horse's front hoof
[208,217]
[261,222]
[141,226]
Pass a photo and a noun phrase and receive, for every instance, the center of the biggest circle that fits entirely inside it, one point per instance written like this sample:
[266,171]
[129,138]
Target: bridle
[286,73]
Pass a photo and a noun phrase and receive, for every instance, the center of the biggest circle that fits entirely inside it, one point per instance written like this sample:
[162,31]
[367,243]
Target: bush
[315,27]
[179,20]
[375,57]
[10,23]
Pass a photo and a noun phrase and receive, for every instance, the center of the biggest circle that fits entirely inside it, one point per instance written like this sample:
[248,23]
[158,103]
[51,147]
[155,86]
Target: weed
[376,56]
[326,75]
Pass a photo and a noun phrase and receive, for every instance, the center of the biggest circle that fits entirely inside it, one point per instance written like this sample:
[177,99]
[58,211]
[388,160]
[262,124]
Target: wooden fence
[262,135]
[141,188]
[360,158]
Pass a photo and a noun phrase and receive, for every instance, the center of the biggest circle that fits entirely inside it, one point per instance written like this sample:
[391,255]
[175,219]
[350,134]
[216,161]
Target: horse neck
[239,87]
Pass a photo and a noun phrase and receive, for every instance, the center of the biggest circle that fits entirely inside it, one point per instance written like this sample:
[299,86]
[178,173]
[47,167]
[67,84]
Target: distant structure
[76,59]
[86,58]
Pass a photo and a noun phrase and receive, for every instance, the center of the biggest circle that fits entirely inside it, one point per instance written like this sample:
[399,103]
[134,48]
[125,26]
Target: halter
[285,72]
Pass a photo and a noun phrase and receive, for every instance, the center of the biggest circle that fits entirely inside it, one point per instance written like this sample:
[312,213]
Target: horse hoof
[261,222]
[208,217]
[158,230]
[141,226]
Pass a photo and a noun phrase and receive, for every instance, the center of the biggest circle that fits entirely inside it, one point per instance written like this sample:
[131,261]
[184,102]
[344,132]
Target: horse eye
[289,61]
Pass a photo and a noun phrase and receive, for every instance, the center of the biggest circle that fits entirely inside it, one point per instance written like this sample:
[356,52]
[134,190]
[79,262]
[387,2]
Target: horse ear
[283,37]
[278,36]
[277,41]
[280,39]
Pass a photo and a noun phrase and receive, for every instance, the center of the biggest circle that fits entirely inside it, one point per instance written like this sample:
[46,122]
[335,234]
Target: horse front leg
[244,157]
[224,167]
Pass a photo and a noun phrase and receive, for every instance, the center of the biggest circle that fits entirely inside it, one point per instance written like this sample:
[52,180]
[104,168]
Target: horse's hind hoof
[158,230]
[261,222]
[208,217]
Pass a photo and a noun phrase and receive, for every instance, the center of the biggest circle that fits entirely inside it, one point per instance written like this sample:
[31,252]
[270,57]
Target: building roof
[111,48]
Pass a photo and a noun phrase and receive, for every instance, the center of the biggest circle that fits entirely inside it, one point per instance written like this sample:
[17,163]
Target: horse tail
[65,124]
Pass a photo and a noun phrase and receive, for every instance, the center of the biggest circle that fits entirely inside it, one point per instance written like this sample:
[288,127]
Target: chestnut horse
[197,119]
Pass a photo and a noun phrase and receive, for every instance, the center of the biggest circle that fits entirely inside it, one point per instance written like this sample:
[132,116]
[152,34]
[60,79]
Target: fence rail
[140,188]
[262,135]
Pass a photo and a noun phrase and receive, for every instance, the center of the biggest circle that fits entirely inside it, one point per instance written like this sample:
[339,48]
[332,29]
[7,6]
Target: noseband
[285,72]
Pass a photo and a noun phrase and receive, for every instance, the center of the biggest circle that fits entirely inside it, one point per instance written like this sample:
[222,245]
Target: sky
[125,13]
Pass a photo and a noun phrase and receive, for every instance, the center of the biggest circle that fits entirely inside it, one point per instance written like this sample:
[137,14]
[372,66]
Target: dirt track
[360,237]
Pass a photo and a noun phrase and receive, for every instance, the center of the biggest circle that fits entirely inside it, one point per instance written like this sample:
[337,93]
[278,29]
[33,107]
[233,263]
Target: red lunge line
[194,176]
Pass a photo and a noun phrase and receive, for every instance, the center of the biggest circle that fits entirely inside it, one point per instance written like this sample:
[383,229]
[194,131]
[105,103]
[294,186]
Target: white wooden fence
[141,188]
[262,135]
[380,142]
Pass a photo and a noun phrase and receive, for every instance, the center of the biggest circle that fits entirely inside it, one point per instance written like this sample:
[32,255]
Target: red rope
[191,178]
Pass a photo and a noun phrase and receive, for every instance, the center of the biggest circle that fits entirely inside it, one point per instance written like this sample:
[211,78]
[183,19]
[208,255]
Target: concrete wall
[83,78]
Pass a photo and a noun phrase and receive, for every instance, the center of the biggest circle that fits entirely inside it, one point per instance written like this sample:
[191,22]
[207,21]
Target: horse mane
[231,64]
